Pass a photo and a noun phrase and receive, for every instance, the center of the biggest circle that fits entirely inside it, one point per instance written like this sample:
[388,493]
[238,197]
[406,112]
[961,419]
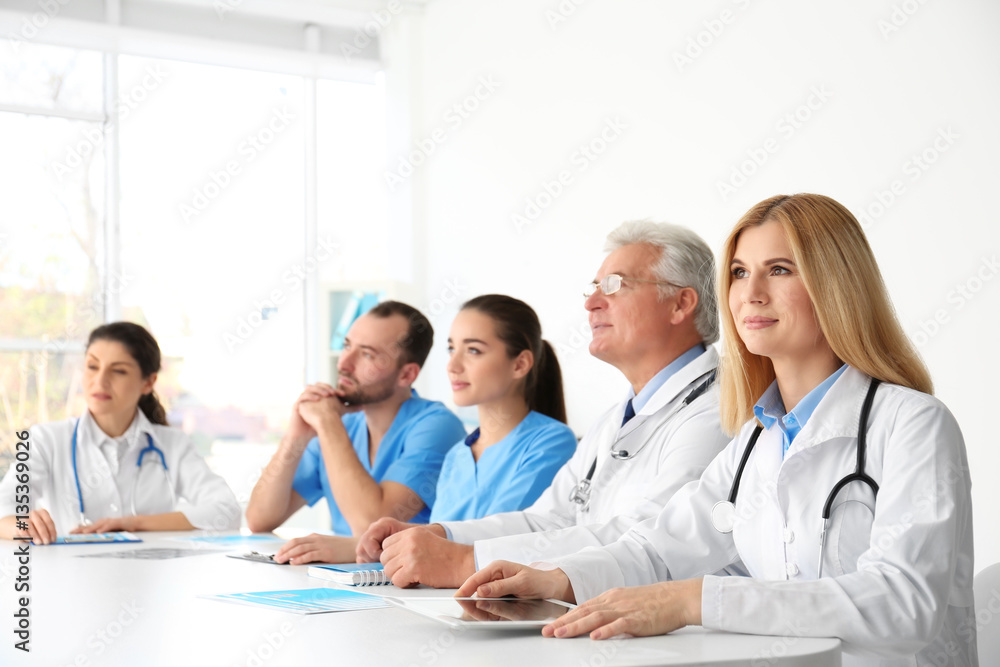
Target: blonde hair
[847,292]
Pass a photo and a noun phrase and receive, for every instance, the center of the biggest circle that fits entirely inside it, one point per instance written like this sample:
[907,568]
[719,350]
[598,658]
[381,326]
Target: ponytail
[546,395]
[153,409]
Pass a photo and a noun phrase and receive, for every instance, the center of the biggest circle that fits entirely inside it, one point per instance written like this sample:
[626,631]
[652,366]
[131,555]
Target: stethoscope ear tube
[724,511]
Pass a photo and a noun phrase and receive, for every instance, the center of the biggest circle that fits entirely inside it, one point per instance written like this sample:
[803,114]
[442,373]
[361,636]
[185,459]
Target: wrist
[330,426]
[438,530]
[467,561]
[294,444]
[692,601]
[563,588]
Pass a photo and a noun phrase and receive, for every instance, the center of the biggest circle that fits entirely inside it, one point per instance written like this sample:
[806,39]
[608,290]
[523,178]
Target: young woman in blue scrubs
[499,363]
[119,466]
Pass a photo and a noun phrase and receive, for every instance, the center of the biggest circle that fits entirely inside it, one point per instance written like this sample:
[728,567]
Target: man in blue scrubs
[371,446]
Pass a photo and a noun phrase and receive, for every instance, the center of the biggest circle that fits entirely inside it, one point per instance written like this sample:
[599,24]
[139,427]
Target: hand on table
[638,611]
[108,525]
[316,548]
[419,556]
[40,527]
[370,543]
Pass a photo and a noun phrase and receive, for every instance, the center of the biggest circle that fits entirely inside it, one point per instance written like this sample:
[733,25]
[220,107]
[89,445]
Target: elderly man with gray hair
[653,315]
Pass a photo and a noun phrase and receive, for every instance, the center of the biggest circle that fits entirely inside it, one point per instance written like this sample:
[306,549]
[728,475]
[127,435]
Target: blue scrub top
[411,453]
[509,476]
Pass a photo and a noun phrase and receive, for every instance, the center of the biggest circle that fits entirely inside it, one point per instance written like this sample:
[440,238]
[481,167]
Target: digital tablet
[485,613]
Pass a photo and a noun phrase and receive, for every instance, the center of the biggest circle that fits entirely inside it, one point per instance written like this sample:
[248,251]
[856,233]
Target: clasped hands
[317,405]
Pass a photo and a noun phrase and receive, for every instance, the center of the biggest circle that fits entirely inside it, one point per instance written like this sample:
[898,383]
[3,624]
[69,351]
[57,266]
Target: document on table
[95,538]
[305,601]
[154,553]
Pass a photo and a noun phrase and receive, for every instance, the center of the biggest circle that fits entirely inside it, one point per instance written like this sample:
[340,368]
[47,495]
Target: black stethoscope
[581,492]
[724,511]
[149,448]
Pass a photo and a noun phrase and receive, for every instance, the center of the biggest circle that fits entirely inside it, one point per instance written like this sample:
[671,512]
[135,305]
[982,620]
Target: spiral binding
[371,578]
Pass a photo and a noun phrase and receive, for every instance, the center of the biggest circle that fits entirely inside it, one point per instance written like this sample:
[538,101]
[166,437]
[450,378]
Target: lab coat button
[789,535]
[792,569]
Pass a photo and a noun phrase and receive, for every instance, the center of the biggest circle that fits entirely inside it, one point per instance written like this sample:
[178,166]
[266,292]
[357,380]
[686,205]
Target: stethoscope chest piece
[724,516]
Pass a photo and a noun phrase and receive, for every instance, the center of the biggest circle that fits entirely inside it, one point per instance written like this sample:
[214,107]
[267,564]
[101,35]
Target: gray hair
[685,259]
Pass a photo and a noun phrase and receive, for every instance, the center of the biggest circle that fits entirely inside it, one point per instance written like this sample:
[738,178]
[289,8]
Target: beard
[370,393]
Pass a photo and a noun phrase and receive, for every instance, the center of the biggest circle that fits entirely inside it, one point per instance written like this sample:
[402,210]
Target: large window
[210,252]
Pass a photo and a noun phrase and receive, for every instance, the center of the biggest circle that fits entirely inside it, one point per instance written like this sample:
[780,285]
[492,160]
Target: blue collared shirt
[639,400]
[770,409]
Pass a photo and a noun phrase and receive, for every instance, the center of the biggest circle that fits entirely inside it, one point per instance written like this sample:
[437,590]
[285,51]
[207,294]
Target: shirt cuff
[711,602]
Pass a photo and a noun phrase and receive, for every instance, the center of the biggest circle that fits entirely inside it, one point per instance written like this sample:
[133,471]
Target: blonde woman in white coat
[810,325]
[118,466]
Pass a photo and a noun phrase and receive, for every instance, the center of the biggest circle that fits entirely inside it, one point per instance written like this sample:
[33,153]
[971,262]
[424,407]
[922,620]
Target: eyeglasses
[612,282]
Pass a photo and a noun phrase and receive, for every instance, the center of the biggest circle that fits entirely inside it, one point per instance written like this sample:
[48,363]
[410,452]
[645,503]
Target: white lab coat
[897,583]
[623,493]
[204,497]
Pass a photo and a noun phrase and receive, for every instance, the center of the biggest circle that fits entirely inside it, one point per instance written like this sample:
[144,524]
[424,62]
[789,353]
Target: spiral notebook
[351,574]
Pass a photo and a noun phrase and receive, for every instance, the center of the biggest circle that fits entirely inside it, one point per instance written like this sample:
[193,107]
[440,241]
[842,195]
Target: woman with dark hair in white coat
[119,466]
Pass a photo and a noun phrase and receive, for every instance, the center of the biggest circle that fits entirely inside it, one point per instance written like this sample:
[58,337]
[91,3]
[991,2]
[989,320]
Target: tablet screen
[487,611]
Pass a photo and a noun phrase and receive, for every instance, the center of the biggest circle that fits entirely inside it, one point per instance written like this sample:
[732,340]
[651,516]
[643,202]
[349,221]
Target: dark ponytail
[143,349]
[548,394]
[518,327]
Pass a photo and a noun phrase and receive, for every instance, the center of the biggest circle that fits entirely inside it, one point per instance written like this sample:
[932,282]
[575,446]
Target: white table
[113,611]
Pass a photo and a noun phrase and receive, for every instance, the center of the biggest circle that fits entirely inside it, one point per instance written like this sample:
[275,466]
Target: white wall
[884,97]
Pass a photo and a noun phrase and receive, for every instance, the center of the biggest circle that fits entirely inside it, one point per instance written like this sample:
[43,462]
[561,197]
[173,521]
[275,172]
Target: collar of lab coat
[92,435]
[671,390]
[837,414]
